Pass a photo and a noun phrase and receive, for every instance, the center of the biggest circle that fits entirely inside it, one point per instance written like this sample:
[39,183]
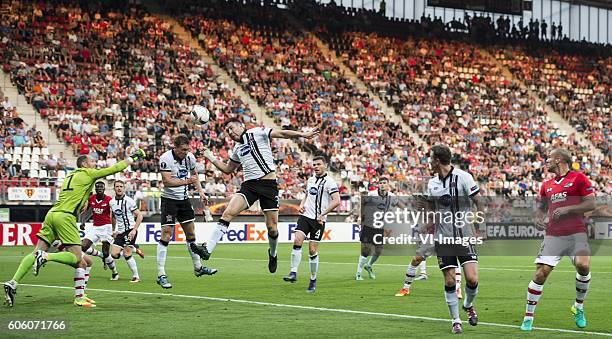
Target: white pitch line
[322,309]
[480,267]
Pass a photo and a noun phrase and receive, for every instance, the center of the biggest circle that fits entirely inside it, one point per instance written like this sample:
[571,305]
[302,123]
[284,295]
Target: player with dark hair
[178,170]
[321,198]
[61,224]
[563,201]
[453,191]
[369,234]
[126,220]
[252,151]
[98,208]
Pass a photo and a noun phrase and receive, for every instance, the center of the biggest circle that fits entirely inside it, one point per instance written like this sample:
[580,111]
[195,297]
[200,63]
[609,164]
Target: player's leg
[368,267]
[272,226]
[583,280]
[169,210]
[447,266]
[190,238]
[237,204]
[162,252]
[296,254]
[108,259]
[422,270]
[544,265]
[81,277]
[313,251]
[10,287]
[87,244]
[470,270]
[410,274]
[366,249]
[131,262]
[458,282]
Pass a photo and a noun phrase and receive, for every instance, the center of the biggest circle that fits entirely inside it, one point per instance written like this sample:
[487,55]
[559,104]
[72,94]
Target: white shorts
[99,233]
[554,248]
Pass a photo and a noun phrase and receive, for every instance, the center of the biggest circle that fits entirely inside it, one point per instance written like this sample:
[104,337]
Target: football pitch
[244,299]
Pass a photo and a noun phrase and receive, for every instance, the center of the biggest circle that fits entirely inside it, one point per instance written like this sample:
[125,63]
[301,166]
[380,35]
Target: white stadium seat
[33,173]
[27,150]
[36,150]
[17,150]
[45,151]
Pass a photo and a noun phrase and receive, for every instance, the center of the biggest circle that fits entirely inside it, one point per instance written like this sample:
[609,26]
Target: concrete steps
[32,118]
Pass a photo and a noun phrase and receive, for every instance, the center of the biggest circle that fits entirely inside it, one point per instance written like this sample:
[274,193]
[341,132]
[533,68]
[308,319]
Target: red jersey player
[564,199]
[102,230]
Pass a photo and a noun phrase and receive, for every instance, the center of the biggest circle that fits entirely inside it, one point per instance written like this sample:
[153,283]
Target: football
[200,114]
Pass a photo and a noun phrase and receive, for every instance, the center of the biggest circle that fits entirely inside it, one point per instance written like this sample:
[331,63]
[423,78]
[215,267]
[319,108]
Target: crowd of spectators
[109,80]
[287,73]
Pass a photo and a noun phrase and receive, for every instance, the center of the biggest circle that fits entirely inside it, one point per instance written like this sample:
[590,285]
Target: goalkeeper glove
[208,154]
[138,154]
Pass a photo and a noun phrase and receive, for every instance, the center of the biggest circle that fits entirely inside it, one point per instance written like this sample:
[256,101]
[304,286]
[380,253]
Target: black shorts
[367,235]
[122,240]
[266,191]
[451,256]
[176,210]
[311,228]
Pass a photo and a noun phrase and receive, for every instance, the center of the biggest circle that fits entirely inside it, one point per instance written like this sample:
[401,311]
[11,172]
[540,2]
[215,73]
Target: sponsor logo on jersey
[313,191]
[568,185]
[118,212]
[558,197]
[182,173]
[445,200]
[549,189]
[381,206]
[98,210]
[244,150]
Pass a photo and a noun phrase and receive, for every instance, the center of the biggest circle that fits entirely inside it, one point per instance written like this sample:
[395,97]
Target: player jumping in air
[321,198]
[252,151]
[61,224]
[562,204]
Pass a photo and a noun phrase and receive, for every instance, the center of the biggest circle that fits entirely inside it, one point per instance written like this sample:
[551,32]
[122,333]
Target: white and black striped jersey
[254,153]
[451,197]
[180,169]
[319,191]
[375,202]
[123,212]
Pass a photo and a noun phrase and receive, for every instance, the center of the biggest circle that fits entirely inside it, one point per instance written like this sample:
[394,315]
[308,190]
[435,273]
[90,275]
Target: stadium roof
[607,4]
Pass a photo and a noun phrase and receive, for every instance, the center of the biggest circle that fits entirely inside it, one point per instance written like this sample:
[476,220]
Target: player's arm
[139,218]
[169,181]
[287,134]
[118,167]
[198,185]
[587,204]
[85,215]
[303,203]
[114,225]
[226,167]
[335,202]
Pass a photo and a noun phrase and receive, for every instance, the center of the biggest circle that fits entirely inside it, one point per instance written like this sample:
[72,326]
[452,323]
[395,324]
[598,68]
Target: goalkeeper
[61,221]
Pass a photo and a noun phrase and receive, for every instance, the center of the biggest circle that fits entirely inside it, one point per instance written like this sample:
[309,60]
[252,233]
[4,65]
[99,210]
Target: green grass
[501,298]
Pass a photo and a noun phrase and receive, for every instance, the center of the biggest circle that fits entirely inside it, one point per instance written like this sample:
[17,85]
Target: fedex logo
[153,233]
[247,233]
